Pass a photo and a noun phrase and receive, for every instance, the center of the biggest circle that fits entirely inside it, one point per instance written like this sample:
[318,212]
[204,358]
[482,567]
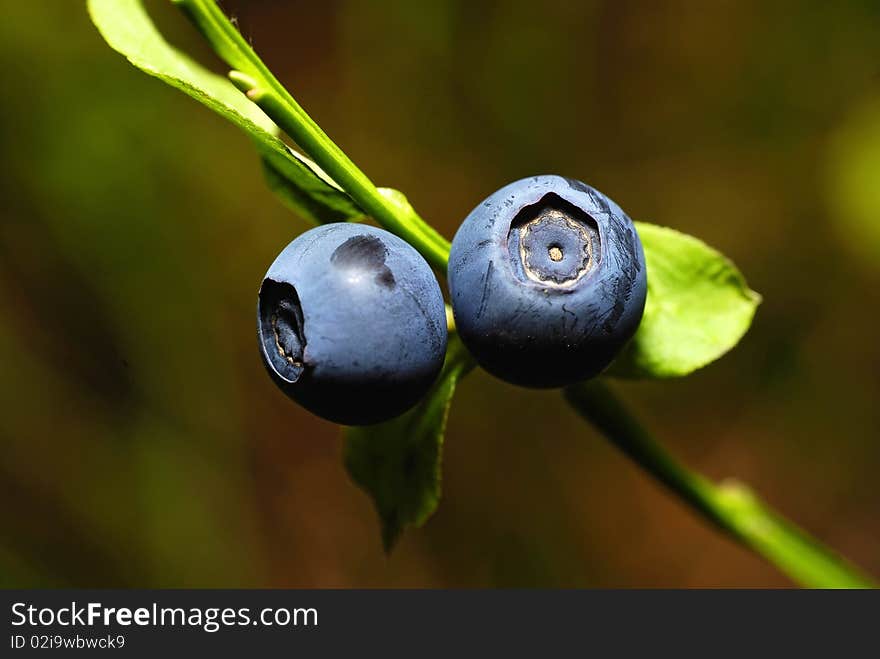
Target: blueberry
[547,280]
[351,323]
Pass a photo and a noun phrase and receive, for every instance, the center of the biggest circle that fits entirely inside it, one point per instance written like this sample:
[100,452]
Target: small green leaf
[406,210]
[699,306]
[127,28]
[398,462]
[308,193]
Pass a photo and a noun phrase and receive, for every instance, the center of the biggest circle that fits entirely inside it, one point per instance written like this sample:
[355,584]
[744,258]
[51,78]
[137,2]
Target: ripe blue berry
[547,279]
[351,323]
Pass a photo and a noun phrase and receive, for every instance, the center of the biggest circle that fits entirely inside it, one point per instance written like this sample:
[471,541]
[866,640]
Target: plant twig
[255,79]
[730,506]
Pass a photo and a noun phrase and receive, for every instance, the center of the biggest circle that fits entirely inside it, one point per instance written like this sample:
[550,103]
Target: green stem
[254,78]
[730,506]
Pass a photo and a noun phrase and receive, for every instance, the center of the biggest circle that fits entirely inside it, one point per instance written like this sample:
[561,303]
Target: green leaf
[398,462]
[699,306]
[410,216]
[310,195]
[127,28]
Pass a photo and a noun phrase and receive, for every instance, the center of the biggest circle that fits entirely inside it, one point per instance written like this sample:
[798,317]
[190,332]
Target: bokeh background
[141,443]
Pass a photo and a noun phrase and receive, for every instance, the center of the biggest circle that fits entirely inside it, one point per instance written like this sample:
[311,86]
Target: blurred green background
[142,443]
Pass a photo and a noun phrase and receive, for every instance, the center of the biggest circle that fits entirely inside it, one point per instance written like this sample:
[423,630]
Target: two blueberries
[547,283]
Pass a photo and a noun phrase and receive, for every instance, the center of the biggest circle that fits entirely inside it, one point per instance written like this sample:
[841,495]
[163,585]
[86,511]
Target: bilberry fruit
[547,281]
[351,323]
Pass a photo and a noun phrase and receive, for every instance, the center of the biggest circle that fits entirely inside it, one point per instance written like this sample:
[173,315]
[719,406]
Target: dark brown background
[142,444]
